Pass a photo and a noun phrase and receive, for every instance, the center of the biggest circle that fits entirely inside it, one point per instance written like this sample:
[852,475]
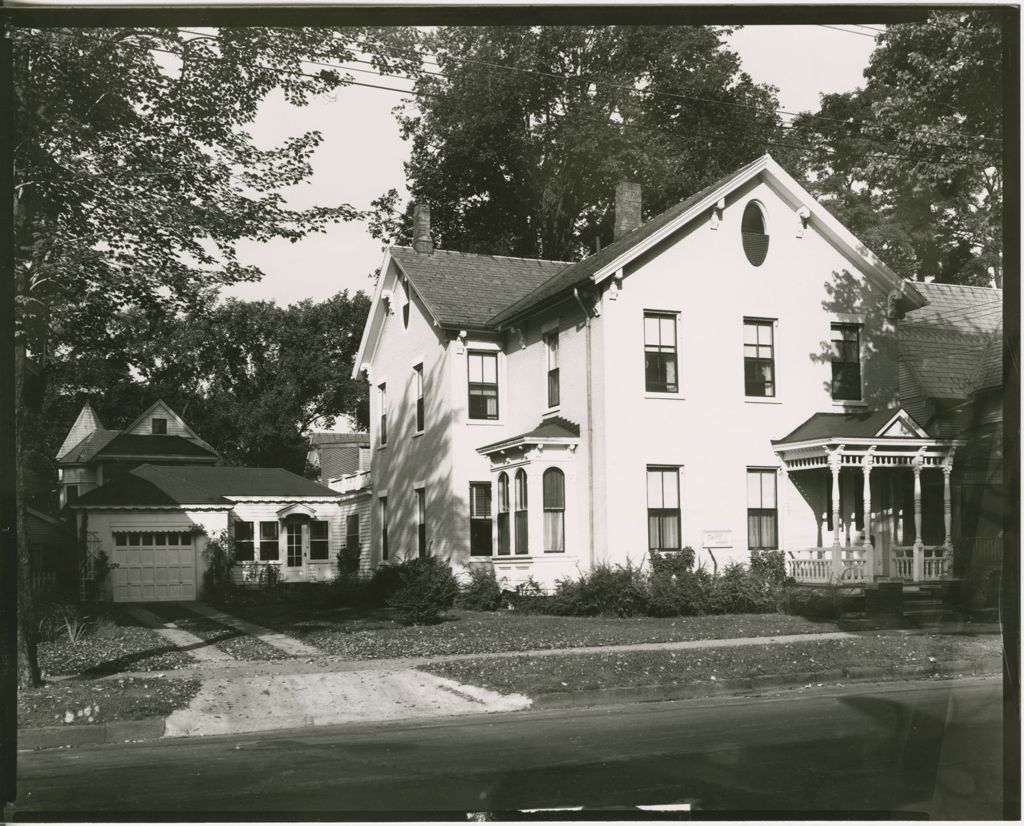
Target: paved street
[930,747]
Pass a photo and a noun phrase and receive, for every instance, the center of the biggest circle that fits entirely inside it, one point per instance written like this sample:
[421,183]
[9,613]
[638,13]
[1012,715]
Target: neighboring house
[150,497]
[52,544]
[724,376]
[338,454]
[92,455]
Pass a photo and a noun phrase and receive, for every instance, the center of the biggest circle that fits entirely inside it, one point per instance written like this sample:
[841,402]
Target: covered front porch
[878,489]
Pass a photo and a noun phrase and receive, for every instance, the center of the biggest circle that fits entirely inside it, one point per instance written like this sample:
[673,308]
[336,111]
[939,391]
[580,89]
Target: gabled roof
[86,423]
[149,485]
[865,424]
[138,444]
[953,345]
[615,256]
[466,290]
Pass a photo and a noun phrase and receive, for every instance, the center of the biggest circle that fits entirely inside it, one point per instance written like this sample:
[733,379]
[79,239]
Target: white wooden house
[723,376]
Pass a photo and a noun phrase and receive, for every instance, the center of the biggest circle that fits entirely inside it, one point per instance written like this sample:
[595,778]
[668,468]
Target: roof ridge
[488,255]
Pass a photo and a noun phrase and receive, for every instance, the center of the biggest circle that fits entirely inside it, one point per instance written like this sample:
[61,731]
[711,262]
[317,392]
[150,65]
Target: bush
[813,602]
[348,562]
[55,618]
[386,580]
[529,598]
[768,566]
[672,563]
[678,594]
[619,591]
[481,592]
[737,591]
[427,589]
[219,556]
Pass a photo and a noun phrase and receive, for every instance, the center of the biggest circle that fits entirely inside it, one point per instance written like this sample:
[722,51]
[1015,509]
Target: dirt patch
[94,702]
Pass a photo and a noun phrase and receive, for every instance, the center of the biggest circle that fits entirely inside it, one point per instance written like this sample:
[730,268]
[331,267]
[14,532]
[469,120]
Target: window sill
[417,434]
[842,404]
[676,397]
[382,447]
[761,400]
[484,422]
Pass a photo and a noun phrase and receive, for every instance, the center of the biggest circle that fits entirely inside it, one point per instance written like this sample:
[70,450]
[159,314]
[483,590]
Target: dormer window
[158,427]
[755,235]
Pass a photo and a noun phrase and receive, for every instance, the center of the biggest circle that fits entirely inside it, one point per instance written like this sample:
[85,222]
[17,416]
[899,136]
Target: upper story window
[663,512]
[158,427]
[554,510]
[382,400]
[504,531]
[755,235]
[661,373]
[846,362]
[418,379]
[759,357]
[483,385]
[551,345]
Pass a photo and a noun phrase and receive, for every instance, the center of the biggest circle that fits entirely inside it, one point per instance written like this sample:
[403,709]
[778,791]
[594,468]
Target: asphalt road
[930,747]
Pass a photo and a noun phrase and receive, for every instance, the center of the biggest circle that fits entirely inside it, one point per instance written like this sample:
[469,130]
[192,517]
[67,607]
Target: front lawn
[113,642]
[93,702]
[376,635]
[536,675]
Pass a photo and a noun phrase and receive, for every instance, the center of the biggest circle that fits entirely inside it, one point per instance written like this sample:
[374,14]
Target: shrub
[101,566]
[53,619]
[481,592]
[737,591]
[427,589]
[386,580]
[529,598]
[813,602]
[768,566]
[348,563]
[619,591]
[672,563]
[219,556]
[685,594]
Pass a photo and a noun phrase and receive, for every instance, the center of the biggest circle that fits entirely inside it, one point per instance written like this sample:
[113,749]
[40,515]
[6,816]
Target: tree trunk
[28,663]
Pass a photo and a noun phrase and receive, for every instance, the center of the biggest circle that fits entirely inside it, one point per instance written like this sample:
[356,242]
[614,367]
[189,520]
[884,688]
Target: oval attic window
[755,239]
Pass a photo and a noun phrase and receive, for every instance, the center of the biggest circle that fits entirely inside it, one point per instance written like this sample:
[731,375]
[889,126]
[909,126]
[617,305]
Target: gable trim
[904,417]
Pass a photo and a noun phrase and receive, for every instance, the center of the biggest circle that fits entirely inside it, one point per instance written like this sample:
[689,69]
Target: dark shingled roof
[463,289]
[947,343]
[198,485]
[148,444]
[554,428]
[860,425]
[580,272]
[88,447]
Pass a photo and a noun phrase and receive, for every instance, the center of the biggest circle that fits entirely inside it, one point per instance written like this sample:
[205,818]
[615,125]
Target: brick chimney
[627,208]
[421,240]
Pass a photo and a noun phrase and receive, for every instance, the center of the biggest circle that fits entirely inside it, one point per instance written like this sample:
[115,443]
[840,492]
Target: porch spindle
[869,553]
[835,461]
[917,463]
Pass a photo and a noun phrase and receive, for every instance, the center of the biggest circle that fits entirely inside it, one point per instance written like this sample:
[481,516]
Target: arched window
[554,510]
[405,303]
[755,235]
[522,520]
[504,533]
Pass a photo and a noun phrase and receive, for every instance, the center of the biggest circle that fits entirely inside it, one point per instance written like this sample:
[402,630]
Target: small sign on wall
[717,539]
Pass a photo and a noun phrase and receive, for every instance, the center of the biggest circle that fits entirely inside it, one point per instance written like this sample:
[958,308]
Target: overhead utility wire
[845,31]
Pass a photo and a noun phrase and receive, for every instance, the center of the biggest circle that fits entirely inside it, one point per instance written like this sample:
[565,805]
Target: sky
[362,153]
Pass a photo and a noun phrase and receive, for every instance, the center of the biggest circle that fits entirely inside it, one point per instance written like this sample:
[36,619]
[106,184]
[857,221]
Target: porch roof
[862,424]
[556,429]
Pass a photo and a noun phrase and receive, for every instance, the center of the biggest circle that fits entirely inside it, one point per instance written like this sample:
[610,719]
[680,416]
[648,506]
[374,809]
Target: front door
[293,558]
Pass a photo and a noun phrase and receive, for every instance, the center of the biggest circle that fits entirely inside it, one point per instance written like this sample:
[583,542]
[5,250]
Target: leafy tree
[912,161]
[520,137]
[135,176]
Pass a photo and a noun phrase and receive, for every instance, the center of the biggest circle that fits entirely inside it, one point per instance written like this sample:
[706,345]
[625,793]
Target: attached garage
[153,566]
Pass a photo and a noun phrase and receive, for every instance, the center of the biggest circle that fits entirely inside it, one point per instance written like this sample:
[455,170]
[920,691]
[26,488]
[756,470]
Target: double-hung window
[319,540]
[383,528]
[846,362]
[421,521]
[244,541]
[554,510]
[480,519]
[270,550]
[504,529]
[483,385]
[382,401]
[522,514]
[158,427]
[762,510]
[759,357]
[661,374]
[551,345]
[663,513]
[418,379]
[352,532]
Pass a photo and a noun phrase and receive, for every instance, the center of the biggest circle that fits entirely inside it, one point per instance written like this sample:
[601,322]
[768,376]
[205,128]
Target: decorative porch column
[783,505]
[947,510]
[917,463]
[835,462]
[869,552]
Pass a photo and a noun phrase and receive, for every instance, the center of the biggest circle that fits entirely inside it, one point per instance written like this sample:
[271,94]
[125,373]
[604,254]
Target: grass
[93,702]
[115,643]
[375,635]
[536,675]
[239,645]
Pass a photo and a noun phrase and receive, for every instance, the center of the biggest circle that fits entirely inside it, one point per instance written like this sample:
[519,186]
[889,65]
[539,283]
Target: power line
[845,31]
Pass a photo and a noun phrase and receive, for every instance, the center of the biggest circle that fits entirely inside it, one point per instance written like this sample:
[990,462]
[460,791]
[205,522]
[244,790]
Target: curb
[119,731]
[746,685]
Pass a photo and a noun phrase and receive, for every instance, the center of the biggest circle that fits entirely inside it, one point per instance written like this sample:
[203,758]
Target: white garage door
[154,566]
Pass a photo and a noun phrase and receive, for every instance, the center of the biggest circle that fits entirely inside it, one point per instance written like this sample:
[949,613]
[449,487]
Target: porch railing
[815,565]
[933,563]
